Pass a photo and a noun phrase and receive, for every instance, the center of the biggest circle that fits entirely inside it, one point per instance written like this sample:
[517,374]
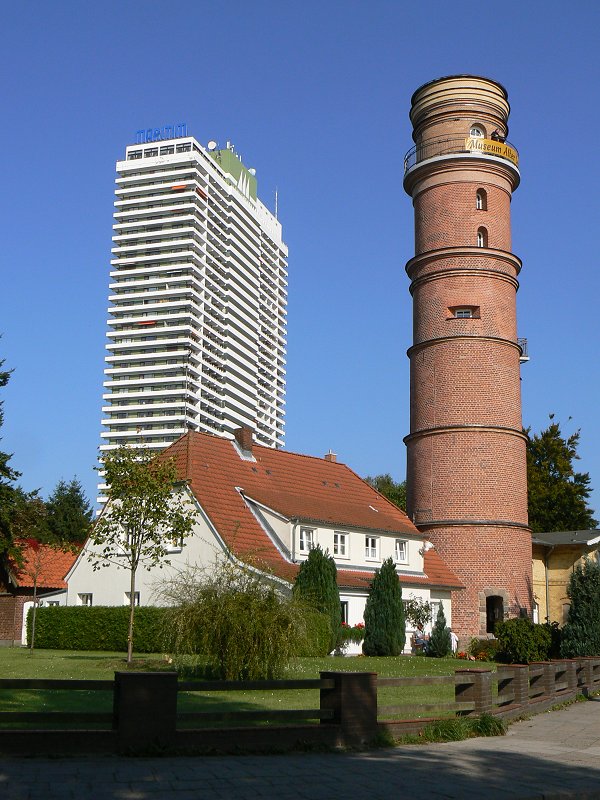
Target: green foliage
[385,633]
[520,641]
[417,611]
[233,619]
[439,645]
[483,649]
[459,728]
[314,635]
[581,633]
[388,487]
[142,518]
[68,514]
[97,628]
[316,586]
[558,495]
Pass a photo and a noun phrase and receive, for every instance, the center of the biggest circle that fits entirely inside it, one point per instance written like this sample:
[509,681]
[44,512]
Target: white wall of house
[109,586]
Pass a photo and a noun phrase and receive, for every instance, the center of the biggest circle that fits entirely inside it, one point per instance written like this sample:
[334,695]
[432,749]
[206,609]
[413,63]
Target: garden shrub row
[98,628]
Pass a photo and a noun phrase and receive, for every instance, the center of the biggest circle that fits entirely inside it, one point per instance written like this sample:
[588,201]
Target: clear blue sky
[315,96]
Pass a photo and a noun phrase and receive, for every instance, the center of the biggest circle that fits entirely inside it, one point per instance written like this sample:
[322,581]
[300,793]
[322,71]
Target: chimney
[243,437]
[330,456]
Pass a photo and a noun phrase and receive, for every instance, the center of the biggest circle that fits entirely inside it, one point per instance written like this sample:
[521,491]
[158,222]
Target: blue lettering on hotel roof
[144,135]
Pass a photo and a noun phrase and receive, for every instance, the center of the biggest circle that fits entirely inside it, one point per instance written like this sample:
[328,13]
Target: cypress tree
[316,586]
[581,634]
[440,644]
[385,632]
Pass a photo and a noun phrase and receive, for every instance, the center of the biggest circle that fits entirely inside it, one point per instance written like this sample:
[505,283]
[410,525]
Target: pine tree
[385,631]
[558,495]
[68,513]
[440,644]
[581,633]
[316,586]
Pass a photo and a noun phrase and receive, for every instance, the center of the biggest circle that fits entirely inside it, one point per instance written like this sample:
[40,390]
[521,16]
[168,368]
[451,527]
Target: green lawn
[58,664]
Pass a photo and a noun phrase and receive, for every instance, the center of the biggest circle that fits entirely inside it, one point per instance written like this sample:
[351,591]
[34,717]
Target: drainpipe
[546,561]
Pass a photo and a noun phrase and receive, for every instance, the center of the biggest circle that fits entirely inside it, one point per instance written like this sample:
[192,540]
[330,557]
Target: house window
[371,548]
[481,200]
[482,238]
[175,544]
[401,551]
[344,611]
[85,598]
[340,544]
[136,598]
[307,540]
[435,607]
[52,603]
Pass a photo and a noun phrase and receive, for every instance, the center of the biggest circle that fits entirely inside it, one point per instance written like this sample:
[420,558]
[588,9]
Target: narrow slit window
[481,200]
[482,238]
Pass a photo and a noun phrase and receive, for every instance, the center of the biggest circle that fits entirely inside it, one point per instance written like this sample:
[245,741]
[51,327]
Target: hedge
[98,628]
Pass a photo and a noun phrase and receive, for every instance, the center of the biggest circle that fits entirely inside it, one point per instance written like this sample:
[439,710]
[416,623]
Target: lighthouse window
[482,237]
[476,132]
[481,200]
[463,313]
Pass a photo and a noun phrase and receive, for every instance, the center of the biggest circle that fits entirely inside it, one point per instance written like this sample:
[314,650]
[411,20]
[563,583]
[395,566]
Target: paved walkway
[554,755]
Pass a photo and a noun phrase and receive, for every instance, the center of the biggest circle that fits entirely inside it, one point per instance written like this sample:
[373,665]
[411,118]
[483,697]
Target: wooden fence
[145,716]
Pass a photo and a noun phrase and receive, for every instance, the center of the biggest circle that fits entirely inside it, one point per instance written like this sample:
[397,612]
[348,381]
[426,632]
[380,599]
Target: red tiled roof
[50,564]
[297,486]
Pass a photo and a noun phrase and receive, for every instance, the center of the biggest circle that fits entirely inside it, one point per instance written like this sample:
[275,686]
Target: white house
[269,507]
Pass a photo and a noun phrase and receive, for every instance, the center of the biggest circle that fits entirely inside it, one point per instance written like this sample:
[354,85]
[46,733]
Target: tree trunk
[131,617]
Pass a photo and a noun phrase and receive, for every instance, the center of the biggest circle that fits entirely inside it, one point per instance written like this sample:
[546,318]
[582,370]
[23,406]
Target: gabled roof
[44,564]
[299,487]
[587,538]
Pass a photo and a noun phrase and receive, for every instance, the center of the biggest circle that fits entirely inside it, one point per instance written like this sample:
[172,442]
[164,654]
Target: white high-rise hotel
[198,298]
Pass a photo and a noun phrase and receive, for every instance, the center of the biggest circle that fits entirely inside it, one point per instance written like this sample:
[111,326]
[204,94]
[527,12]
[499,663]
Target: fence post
[585,671]
[515,676]
[548,676]
[474,686]
[145,710]
[353,700]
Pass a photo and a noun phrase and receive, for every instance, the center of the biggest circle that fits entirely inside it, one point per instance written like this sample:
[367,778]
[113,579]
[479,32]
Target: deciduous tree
[144,516]
[388,487]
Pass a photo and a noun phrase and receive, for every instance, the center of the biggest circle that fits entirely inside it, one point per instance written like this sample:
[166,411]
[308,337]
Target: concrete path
[553,755]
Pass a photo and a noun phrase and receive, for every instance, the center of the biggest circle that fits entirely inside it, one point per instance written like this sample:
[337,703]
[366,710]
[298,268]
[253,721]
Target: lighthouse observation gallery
[466,455]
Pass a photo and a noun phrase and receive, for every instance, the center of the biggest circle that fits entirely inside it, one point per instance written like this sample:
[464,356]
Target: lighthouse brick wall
[466,456]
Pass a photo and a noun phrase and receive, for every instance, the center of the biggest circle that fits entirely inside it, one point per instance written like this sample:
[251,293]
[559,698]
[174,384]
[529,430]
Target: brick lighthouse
[466,457]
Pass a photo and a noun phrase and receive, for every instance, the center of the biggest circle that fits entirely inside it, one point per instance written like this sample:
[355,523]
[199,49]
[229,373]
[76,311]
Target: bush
[483,649]
[439,645]
[231,619]
[581,634]
[520,641]
[97,628]
[385,632]
[315,634]
[316,586]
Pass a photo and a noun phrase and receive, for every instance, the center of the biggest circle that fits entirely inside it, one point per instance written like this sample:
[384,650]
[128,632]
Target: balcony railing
[449,145]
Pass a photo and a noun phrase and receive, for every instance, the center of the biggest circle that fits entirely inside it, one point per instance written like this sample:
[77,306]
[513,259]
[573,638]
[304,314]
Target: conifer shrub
[581,633]
[440,644]
[316,587]
[385,630]
[97,628]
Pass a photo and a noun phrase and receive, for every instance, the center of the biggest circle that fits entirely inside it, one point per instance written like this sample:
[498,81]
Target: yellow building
[555,556]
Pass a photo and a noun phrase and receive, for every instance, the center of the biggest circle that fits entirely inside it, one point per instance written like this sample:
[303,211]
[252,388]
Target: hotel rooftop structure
[198,295]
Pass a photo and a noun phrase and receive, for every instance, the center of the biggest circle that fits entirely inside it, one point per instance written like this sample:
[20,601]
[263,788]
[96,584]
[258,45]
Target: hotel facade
[198,295]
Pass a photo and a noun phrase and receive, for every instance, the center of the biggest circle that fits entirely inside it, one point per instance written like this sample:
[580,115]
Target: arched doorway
[494,612]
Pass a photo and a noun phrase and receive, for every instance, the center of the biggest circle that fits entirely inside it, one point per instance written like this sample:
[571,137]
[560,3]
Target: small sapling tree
[385,631]
[142,519]
[581,633]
